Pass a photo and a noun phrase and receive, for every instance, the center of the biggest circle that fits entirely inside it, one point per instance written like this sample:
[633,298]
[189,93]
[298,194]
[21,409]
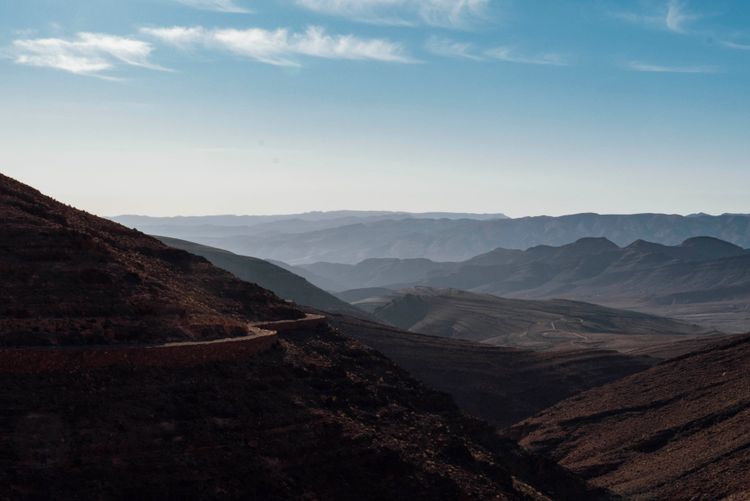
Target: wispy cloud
[736,45]
[678,17]
[281,47]
[672,15]
[656,68]
[451,48]
[445,13]
[230,6]
[91,54]
[511,55]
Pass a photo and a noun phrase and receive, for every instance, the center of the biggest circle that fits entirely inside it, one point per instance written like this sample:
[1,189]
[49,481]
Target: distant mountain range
[351,237]
[702,280]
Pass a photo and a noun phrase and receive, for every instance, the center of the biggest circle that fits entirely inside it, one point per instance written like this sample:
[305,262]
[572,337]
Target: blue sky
[526,107]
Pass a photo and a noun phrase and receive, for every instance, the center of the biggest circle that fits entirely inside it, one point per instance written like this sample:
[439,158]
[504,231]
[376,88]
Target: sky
[525,107]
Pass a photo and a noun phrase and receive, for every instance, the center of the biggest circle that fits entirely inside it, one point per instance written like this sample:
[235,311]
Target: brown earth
[676,431]
[70,278]
[319,417]
[500,385]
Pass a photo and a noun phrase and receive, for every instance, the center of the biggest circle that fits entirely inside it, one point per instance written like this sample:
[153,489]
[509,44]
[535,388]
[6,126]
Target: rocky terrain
[72,278]
[536,325]
[676,431]
[318,416]
[500,385]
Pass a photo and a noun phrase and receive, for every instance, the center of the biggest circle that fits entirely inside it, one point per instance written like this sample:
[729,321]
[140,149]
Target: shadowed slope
[72,278]
[269,276]
[318,417]
[676,431]
[500,385]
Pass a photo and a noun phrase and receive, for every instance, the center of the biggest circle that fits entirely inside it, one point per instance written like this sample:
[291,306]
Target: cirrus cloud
[673,16]
[229,6]
[657,68]
[445,13]
[90,54]
[462,50]
[281,47]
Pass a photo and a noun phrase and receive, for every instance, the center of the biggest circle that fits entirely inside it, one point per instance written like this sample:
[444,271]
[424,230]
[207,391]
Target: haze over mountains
[442,237]
[703,280]
[282,282]
[536,325]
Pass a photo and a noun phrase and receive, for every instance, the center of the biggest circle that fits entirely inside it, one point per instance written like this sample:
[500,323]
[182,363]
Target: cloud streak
[655,68]
[510,55]
[443,13]
[735,45]
[450,48]
[281,47]
[673,17]
[90,54]
[229,6]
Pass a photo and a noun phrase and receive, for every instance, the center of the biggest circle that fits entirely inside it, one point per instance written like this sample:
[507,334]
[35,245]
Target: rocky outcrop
[676,431]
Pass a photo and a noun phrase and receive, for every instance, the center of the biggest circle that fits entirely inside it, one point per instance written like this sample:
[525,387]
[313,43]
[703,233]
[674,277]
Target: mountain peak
[593,244]
[712,242]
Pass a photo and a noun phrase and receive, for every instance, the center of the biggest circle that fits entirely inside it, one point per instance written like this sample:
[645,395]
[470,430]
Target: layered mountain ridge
[703,280]
[437,238]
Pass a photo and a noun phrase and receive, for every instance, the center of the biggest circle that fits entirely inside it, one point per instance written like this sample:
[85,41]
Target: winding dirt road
[261,337]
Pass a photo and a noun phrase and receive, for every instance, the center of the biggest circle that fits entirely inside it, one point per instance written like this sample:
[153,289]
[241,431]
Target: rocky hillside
[318,416]
[500,385]
[72,278]
[676,431]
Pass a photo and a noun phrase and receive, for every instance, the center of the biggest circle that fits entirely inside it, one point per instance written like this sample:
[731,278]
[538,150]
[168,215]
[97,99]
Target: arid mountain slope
[269,276]
[676,431]
[537,325]
[499,385]
[320,417]
[317,416]
[72,278]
